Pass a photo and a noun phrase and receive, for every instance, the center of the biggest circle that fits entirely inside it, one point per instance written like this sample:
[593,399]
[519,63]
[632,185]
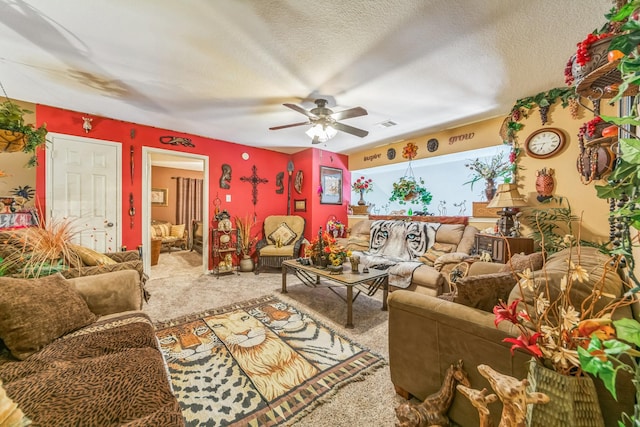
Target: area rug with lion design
[261,362]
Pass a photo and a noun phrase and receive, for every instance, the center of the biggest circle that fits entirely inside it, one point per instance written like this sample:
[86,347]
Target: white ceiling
[222,68]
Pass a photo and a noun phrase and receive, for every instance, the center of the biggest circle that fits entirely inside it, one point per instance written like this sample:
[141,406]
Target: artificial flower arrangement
[362,185]
[491,169]
[552,329]
[335,228]
[327,247]
[337,254]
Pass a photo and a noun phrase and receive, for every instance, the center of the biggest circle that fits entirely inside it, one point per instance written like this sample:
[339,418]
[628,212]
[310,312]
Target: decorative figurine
[225,178]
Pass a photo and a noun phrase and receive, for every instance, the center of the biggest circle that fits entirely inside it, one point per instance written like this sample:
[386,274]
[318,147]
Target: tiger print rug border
[261,362]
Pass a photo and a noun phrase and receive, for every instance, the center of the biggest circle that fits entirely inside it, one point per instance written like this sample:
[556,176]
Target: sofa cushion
[450,233]
[34,312]
[434,252]
[284,234]
[520,262]
[91,257]
[484,291]
[555,269]
[177,231]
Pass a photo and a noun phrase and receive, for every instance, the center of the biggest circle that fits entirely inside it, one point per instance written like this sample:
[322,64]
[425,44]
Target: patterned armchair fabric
[282,239]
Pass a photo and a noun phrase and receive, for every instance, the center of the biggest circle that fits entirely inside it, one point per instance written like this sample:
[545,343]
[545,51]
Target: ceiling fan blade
[289,126]
[301,110]
[350,113]
[350,129]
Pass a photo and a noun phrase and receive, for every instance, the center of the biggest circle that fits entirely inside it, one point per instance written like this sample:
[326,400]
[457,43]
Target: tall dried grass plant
[39,251]
[245,225]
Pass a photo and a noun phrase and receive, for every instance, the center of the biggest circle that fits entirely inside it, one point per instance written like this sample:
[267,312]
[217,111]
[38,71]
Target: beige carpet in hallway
[178,287]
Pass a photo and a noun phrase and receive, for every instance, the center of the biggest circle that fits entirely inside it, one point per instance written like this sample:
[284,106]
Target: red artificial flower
[504,312]
[528,344]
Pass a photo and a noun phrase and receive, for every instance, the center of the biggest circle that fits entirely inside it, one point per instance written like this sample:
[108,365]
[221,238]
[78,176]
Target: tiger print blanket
[396,246]
[258,363]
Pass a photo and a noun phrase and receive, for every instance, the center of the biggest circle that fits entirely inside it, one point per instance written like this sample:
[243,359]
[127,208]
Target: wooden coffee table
[364,282]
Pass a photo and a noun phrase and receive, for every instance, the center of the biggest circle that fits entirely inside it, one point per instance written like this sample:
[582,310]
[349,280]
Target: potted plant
[246,242]
[409,190]
[489,170]
[16,135]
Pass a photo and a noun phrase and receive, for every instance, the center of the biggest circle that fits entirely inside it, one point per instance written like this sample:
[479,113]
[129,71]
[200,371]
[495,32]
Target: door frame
[146,203]
[49,177]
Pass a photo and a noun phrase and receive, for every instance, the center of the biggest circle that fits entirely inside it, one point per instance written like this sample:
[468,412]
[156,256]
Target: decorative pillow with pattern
[34,312]
[284,234]
[519,262]
[177,231]
[433,253]
[485,290]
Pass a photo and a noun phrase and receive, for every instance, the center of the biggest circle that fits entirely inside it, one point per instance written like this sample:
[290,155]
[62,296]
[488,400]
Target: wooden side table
[496,246]
[156,245]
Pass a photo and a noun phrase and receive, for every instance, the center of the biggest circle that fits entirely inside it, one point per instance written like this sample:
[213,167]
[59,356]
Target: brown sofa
[428,333]
[430,280]
[80,352]
[172,235]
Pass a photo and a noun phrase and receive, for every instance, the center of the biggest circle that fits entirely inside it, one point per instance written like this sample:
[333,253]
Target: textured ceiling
[222,68]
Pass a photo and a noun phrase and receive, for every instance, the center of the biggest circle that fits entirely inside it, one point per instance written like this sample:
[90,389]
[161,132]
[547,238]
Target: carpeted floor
[178,288]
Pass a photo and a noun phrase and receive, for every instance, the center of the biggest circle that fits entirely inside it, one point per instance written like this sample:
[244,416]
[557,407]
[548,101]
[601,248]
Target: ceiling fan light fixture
[321,133]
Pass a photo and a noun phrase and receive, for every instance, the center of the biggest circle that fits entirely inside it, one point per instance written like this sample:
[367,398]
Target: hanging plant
[27,137]
[409,190]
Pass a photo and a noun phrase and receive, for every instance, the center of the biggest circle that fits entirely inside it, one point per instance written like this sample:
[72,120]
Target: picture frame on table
[331,181]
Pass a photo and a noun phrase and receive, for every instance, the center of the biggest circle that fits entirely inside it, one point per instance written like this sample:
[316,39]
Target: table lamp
[509,199]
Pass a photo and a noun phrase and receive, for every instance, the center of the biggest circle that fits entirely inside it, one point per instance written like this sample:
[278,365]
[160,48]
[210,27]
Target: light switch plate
[228,198]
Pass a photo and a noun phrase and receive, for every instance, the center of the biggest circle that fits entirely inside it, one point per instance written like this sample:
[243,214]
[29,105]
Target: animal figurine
[86,125]
[514,396]
[462,208]
[433,411]
[479,399]
[442,208]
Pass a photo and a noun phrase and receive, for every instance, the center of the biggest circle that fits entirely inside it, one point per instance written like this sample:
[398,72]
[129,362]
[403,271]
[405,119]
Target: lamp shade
[322,132]
[507,196]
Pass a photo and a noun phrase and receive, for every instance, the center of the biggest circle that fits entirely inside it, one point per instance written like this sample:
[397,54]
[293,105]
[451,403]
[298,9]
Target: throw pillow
[10,414]
[519,262]
[284,234]
[90,257]
[34,312]
[485,290]
[434,252]
[177,231]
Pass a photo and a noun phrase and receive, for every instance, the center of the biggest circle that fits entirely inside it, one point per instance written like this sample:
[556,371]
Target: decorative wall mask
[176,140]
[544,184]
[225,178]
[298,183]
[280,183]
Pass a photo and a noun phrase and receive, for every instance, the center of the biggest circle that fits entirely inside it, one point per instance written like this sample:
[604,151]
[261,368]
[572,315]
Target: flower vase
[490,189]
[245,264]
[361,202]
[320,261]
[335,269]
[573,401]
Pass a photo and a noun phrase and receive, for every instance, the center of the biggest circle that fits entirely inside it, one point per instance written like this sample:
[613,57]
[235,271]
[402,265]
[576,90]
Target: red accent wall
[268,164]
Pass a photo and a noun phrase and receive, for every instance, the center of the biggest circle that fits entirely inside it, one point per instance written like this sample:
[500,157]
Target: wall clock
[432,145]
[544,143]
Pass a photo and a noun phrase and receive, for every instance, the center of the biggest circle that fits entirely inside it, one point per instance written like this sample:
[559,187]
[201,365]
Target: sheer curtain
[189,202]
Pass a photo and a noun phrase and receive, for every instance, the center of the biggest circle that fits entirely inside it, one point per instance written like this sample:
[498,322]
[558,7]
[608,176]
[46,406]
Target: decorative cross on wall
[254,180]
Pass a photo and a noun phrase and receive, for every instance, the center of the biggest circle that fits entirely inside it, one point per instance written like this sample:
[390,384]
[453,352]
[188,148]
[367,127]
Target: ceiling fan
[325,122]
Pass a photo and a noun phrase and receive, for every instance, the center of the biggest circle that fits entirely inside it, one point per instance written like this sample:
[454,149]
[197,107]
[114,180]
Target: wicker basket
[360,209]
[573,401]
[11,142]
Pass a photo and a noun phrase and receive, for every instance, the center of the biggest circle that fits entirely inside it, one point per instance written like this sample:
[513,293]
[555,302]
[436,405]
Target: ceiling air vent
[386,124]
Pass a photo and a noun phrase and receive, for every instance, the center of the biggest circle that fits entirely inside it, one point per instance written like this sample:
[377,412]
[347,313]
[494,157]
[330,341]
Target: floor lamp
[509,199]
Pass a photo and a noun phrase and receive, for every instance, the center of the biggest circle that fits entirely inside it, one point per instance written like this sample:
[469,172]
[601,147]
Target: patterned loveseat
[80,352]
[172,236]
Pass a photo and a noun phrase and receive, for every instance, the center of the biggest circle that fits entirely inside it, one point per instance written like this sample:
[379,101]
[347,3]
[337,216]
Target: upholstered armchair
[282,239]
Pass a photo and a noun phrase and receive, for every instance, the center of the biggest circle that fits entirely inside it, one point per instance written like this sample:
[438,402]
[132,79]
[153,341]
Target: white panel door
[84,187]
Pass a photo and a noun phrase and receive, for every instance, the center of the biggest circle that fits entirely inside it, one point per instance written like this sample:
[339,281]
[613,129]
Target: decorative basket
[10,141]
[598,53]
[360,209]
[573,401]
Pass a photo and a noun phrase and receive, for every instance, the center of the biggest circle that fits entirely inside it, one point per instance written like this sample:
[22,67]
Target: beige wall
[162,177]
[582,198]
[14,164]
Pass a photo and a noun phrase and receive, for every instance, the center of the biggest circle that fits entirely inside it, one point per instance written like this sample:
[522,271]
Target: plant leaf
[629,330]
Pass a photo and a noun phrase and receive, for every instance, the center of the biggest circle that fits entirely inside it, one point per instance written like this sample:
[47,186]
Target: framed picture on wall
[331,181]
[159,197]
[300,205]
